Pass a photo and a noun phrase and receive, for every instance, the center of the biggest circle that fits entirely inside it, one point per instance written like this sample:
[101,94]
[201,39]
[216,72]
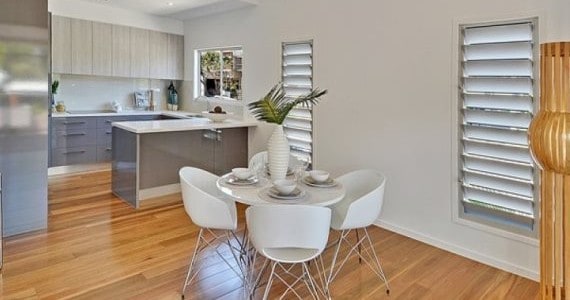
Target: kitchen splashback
[97,93]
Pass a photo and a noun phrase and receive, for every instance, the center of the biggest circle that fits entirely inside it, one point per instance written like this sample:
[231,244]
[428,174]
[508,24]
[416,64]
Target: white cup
[242,173]
[285,186]
[319,176]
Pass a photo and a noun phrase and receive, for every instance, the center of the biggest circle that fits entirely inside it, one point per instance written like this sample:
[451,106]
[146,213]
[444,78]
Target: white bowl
[319,176]
[216,117]
[285,186]
[242,173]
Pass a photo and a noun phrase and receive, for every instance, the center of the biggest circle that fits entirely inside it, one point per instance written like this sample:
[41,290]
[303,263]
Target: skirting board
[159,191]
[506,266]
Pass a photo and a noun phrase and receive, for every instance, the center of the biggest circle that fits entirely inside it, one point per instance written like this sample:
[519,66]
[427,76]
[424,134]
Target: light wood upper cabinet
[60,44]
[93,48]
[139,53]
[158,54]
[121,48]
[175,56]
[81,47]
[102,49]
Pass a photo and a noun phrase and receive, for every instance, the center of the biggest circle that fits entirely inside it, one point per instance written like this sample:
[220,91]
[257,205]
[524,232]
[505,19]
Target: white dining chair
[359,209]
[213,214]
[289,234]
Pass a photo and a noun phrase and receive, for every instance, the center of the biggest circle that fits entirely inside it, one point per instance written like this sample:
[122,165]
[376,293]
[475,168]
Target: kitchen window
[497,96]
[218,73]
[297,76]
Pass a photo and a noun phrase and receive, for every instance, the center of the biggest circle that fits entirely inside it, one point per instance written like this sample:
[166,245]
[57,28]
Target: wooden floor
[97,247]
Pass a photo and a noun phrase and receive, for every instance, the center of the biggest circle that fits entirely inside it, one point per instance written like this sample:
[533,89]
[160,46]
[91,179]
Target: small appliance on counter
[117,107]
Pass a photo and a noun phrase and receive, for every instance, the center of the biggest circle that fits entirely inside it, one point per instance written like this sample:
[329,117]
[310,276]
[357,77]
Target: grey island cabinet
[148,155]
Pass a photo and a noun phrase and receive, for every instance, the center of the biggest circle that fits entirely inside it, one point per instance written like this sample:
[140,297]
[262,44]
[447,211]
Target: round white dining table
[256,194]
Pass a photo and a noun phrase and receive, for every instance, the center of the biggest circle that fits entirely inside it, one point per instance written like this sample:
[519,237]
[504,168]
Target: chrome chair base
[364,249]
[215,242]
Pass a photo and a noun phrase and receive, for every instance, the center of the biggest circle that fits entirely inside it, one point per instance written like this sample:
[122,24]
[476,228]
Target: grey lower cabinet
[84,140]
[151,161]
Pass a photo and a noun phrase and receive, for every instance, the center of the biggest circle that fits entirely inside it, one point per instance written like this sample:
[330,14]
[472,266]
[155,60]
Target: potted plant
[274,108]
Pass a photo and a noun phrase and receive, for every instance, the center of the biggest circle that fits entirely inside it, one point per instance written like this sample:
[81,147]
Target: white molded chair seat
[292,234]
[202,203]
[359,209]
[211,213]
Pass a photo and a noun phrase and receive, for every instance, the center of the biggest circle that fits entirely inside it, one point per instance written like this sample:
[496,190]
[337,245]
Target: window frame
[310,109]
[458,214]
[197,92]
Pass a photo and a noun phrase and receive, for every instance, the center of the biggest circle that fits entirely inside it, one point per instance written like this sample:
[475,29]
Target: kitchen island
[147,155]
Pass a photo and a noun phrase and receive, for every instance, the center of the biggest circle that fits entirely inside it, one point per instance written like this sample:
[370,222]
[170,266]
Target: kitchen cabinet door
[158,55]
[102,49]
[139,53]
[81,47]
[61,45]
[121,51]
[175,56]
[230,150]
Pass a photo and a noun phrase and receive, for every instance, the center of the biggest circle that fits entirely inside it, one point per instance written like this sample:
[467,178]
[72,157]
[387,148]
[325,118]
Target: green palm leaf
[275,106]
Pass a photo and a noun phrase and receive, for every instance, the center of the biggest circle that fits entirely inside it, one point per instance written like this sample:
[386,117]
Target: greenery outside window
[219,73]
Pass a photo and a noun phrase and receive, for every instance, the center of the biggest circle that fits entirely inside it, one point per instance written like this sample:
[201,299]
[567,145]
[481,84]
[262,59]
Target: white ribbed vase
[278,154]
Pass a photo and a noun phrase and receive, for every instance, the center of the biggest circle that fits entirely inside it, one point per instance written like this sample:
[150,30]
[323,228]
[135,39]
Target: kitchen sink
[195,116]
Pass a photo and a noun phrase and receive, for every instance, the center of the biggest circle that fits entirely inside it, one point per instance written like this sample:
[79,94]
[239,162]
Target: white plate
[296,194]
[236,181]
[308,180]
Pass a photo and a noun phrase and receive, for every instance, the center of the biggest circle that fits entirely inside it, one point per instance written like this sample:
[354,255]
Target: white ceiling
[180,9]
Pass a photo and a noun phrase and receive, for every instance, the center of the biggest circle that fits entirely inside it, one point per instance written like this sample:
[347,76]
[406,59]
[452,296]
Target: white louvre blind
[497,96]
[297,81]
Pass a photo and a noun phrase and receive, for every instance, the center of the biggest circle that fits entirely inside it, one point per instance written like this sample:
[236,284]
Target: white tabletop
[256,194]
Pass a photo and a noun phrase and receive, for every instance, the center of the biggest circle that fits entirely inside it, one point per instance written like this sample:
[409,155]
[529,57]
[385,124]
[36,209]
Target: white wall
[389,68]
[107,14]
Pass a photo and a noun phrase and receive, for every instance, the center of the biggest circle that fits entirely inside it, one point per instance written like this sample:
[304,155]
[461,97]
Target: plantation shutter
[497,95]
[298,80]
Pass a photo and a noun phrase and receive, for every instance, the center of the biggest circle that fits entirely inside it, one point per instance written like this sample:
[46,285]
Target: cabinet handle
[108,149]
[108,121]
[108,132]
[74,152]
[74,134]
[73,122]
[210,134]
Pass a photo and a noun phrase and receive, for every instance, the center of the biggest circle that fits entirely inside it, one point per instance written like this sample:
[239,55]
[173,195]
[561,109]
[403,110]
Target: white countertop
[124,113]
[180,125]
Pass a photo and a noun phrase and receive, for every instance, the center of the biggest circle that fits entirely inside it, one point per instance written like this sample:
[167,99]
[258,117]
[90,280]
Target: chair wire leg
[269,281]
[335,257]
[312,289]
[186,282]
[322,276]
[255,284]
[377,261]
[359,247]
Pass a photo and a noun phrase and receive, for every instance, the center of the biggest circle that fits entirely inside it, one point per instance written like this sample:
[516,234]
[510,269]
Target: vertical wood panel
[61,44]
[102,49]
[139,53]
[158,55]
[121,51]
[81,47]
[175,57]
